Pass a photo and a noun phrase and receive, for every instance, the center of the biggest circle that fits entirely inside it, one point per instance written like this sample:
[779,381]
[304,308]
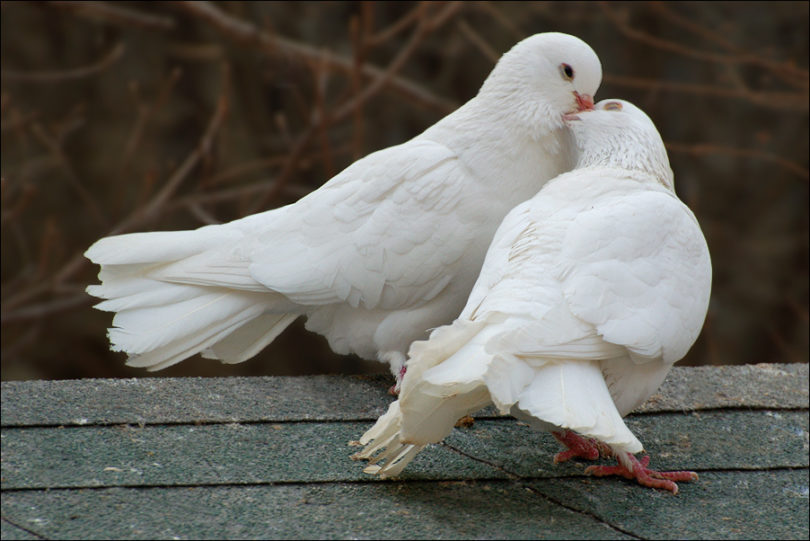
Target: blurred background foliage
[130,116]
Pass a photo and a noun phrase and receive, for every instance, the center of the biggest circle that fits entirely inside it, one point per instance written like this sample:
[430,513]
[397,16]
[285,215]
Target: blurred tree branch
[323,118]
[137,218]
[705,149]
[786,101]
[246,34]
[114,54]
[109,12]
[150,210]
[785,70]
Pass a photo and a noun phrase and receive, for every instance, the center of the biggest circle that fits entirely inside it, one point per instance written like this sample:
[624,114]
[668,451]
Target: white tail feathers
[390,446]
[249,339]
[160,320]
[449,350]
[395,457]
[573,395]
[383,439]
[425,412]
[159,246]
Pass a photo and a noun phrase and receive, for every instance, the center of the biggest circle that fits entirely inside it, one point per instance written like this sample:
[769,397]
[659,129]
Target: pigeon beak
[584,101]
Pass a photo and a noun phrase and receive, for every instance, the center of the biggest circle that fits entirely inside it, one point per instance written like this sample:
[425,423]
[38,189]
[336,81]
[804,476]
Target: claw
[631,468]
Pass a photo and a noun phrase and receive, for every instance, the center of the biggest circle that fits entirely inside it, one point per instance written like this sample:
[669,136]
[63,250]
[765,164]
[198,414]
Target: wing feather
[395,242]
[638,269]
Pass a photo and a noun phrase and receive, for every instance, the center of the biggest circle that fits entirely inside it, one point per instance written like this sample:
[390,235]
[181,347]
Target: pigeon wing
[382,234]
[638,269]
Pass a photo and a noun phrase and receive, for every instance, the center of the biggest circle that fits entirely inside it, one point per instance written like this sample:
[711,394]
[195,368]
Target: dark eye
[567,72]
[613,106]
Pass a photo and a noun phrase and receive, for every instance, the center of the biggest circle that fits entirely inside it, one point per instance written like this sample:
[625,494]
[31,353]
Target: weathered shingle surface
[270,457]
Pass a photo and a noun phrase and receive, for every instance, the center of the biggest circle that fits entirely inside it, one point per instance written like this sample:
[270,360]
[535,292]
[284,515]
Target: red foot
[394,390]
[644,476]
[579,447]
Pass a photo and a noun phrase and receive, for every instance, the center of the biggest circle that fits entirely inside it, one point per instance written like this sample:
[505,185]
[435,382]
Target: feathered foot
[631,468]
[580,447]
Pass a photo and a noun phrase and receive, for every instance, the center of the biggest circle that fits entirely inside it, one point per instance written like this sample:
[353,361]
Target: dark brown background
[130,116]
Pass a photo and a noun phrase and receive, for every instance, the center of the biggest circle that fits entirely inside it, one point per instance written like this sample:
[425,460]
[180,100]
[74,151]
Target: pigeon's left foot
[394,390]
[465,422]
[580,447]
[631,468]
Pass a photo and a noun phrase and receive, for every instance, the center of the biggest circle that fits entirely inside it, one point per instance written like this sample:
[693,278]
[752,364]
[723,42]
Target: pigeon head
[616,133]
[543,78]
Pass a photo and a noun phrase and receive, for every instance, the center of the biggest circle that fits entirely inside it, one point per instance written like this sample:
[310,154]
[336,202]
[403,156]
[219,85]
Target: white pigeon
[385,250]
[589,293]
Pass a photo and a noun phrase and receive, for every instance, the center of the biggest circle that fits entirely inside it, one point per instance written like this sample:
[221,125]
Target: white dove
[589,293]
[382,252]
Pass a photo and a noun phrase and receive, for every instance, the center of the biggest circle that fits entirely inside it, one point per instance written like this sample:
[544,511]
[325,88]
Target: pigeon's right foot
[632,468]
[579,447]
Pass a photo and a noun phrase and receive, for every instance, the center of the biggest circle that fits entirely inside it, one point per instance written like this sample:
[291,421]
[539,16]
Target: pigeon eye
[613,106]
[567,72]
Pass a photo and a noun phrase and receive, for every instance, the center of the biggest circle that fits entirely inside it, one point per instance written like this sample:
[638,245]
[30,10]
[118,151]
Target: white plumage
[382,252]
[589,293]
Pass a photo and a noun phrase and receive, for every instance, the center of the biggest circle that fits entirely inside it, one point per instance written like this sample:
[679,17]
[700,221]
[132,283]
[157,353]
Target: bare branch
[787,72]
[476,39]
[137,217]
[784,101]
[54,144]
[320,112]
[395,28]
[116,14]
[67,75]
[203,147]
[359,30]
[512,26]
[248,35]
[145,114]
[418,35]
[283,177]
[425,26]
[450,9]
[245,167]
[201,214]
[742,58]
[708,149]
[45,308]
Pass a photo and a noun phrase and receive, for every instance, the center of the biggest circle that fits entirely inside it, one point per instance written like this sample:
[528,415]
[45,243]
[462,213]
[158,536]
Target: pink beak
[584,101]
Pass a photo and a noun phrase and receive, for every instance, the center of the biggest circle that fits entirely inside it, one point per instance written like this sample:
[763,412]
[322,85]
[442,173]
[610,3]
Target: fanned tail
[426,413]
[383,445]
[175,295]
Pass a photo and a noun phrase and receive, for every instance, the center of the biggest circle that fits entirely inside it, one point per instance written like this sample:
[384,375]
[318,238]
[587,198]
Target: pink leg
[632,468]
[579,447]
[394,390]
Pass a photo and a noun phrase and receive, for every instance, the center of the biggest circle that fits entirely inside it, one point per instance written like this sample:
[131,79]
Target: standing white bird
[589,293]
[382,252]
